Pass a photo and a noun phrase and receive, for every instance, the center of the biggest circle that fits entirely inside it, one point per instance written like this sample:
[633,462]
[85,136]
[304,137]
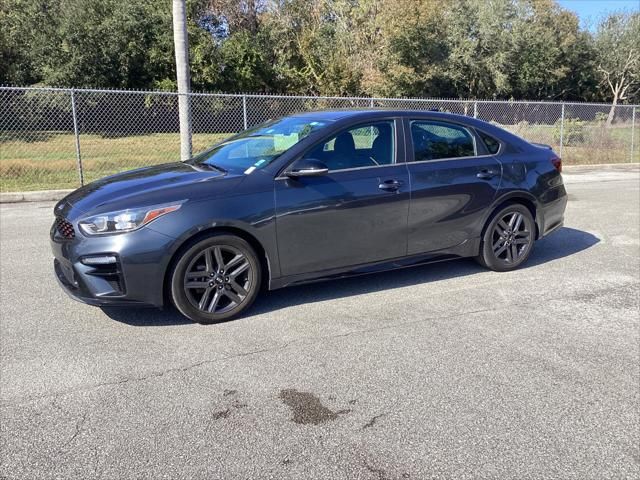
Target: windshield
[259,146]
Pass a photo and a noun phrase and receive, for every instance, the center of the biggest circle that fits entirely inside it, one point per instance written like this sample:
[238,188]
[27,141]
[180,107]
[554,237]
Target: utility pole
[181,43]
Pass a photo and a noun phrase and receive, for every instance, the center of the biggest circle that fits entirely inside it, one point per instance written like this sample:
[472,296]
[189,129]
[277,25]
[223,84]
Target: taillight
[557,162]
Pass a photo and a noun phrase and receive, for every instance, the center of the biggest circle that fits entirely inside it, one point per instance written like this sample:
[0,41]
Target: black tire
[205,292]
[508,238]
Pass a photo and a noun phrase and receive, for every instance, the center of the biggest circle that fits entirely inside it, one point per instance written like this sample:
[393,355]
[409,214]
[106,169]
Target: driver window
[366,145]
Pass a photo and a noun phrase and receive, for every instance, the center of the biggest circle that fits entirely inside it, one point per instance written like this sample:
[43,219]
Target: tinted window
[363,146]
[493,146]
[435,140]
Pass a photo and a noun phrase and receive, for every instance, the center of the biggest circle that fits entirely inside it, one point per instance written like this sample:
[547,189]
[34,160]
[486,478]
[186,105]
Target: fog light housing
[99,260]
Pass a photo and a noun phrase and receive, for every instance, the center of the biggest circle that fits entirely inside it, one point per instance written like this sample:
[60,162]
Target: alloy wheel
[218,279]
[511,237]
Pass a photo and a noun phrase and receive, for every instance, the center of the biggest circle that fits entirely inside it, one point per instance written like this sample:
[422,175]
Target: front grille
[65,228]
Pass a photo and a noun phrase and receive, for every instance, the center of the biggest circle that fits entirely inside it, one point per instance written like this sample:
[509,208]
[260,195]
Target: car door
[454,180]
[354,214]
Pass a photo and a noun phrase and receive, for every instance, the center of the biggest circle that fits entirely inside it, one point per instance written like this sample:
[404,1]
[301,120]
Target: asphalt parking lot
[442,371]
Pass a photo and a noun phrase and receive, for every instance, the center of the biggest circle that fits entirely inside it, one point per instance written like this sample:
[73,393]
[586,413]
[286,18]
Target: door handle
[486,174]
[390,185]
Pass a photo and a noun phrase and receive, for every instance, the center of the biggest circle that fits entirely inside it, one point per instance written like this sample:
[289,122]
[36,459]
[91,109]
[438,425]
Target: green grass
[596,143]
[47,160]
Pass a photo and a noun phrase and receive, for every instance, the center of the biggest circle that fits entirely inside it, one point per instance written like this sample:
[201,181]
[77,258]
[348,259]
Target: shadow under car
[563,243]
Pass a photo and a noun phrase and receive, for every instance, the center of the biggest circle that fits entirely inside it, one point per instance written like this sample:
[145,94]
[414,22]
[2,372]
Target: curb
[37,196]
[55,195]
[607,167]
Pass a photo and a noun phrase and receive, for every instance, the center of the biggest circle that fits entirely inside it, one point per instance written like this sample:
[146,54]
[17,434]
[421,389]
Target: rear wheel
[216,279]
[508,239]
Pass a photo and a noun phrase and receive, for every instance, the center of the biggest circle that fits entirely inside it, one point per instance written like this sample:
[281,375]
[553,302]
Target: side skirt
[468,248]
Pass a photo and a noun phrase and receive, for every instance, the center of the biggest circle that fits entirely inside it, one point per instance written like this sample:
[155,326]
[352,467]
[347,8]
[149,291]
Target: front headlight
[124,220]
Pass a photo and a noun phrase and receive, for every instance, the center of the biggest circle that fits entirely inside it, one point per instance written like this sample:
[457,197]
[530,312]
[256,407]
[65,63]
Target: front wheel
[508,239]
[215,279]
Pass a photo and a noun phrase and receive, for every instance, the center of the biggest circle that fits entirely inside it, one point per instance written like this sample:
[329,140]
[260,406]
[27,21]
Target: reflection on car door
[453,182]
[355,214]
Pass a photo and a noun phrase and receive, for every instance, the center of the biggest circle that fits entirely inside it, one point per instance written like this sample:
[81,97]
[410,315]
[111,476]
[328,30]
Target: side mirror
[308,167]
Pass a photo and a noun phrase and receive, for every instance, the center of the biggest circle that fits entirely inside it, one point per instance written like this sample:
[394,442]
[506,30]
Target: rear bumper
[551,213]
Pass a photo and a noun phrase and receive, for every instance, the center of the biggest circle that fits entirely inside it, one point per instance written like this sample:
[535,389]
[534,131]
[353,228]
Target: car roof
[355,114]
[344,113]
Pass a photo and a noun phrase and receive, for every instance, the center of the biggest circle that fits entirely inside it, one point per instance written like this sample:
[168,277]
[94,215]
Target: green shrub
[601,117]
[574,131]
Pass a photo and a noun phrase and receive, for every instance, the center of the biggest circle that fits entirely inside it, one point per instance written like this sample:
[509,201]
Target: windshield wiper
[214,167]
[207,166]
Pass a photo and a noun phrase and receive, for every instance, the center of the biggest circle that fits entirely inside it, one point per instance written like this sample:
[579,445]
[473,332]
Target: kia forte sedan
[308,197]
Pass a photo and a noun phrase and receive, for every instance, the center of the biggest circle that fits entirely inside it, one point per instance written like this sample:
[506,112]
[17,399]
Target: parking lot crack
[143,378]
[78,428]
[380,473]
[283,346]
[373,421]
[186,368]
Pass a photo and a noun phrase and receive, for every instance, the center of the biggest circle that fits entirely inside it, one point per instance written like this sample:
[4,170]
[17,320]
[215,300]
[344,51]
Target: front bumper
[77,290]
[137,277]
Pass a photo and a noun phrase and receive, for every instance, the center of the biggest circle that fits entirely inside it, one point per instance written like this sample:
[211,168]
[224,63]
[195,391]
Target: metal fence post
[475,109]
[633,130]
[244,111]
[561,129]
[77,137]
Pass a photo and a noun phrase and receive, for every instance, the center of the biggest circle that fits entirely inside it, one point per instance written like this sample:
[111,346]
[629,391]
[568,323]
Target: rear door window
[434,140]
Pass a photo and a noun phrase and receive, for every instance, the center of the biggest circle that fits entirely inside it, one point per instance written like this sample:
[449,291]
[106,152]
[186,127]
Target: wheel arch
[185,243]
[521,197]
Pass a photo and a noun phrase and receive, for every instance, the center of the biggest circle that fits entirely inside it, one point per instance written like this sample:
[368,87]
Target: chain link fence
[62,138]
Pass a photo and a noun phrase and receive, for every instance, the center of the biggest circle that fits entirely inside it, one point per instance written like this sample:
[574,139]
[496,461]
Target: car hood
[150,186]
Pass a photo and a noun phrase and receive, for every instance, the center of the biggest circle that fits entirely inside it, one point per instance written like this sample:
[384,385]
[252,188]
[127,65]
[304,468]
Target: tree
[523,49]
[231,16]
[402,49]
[618,57]
[478,39]
[87,43]
[16,63]
[549,57]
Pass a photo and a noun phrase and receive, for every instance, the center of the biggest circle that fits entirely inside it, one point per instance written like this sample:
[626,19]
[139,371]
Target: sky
[591,12]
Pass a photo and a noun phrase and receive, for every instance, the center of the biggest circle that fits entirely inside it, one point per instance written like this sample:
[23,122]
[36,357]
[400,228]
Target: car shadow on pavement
[563,243]
[146,317]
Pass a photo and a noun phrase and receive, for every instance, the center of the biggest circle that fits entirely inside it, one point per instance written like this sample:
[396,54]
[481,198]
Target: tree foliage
[618,57]
[530,49]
